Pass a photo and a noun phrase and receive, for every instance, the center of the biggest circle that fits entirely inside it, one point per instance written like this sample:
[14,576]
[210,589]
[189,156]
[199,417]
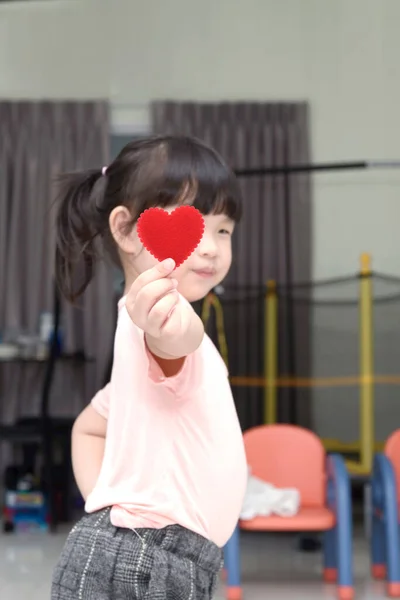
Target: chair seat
[307,519]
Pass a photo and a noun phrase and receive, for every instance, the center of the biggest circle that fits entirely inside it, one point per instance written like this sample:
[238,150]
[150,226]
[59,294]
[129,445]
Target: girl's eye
[225,231]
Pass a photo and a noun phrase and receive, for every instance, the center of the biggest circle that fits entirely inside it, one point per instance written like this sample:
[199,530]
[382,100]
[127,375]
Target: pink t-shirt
[174,451]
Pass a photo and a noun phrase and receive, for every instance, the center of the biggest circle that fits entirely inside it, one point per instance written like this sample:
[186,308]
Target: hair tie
[104,170]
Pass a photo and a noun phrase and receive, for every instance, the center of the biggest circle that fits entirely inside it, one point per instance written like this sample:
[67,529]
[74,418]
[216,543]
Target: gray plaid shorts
[103,562]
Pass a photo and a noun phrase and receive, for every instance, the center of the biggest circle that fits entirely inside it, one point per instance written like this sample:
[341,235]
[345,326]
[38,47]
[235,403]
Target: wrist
[158,348]
[179,346]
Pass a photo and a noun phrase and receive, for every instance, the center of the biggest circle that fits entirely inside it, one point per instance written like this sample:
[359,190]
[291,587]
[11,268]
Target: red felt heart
[171,235]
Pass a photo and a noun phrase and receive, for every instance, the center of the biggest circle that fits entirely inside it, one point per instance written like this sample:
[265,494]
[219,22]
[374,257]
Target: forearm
[170,347]
[87,457]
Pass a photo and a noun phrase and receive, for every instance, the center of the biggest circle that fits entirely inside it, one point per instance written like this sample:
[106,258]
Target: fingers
[152,298]
[160,271]
[173,322]
[148,296]
[161,313]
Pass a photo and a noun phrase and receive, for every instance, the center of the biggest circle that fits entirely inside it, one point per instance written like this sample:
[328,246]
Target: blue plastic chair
[385,538]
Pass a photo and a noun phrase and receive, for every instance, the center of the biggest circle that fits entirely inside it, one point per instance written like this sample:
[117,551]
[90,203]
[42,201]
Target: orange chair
[385,539]
[290,456]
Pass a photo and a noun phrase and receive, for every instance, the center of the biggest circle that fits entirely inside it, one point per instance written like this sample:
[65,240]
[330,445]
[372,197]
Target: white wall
[342,55]
[53,49]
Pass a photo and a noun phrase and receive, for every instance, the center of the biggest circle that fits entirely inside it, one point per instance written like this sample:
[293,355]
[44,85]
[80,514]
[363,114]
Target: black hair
[154,171]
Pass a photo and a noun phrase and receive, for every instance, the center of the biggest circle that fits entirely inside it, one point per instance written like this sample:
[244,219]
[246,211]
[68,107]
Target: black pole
[306,168]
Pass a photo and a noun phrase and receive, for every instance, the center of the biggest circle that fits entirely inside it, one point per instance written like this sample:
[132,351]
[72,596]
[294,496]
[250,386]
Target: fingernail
[168,264]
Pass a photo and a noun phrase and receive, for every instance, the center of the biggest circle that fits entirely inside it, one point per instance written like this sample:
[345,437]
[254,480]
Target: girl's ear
[122,230]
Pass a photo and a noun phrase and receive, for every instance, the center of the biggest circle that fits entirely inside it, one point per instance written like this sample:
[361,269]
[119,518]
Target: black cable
[280,287]
[301,169]
[307,168]
[388,278]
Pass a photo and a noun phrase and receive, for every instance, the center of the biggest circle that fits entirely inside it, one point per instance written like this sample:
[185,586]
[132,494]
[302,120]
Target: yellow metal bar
[211,300]
[205,310]
[270,353]
[316,381]
[219,318]
[356,468]
[332,445]
[366,366]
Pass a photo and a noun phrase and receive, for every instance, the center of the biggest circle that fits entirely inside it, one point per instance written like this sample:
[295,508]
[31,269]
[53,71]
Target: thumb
[166,266]
[159,271]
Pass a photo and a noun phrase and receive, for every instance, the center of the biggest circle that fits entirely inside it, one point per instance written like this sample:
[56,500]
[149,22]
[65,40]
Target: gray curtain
[252,135]
[38,140]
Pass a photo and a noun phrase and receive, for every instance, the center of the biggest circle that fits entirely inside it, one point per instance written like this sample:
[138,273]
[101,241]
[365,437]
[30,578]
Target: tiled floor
[273,569]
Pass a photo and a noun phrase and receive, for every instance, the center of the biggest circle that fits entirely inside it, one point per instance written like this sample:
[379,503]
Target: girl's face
[206,267]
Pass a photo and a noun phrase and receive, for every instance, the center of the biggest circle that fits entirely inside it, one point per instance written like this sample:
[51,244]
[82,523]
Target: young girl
[158,454]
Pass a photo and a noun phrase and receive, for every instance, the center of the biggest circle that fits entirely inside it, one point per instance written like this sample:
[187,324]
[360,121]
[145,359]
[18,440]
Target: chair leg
[378,566]
[330,562]
[232,567]
[368,510]
[344,553]
[392,547]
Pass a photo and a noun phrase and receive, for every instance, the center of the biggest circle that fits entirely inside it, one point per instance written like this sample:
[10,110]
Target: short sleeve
[101,401]
[175,382]
[131,347]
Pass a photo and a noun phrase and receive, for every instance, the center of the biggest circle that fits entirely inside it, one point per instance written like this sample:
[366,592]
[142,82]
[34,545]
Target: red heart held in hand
[171,235]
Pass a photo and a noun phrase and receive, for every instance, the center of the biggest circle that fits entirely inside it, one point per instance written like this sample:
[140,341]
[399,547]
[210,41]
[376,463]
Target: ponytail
[80,220]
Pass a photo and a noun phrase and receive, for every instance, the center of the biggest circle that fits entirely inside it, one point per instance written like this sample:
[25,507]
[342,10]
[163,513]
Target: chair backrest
[288,456]
[392,451]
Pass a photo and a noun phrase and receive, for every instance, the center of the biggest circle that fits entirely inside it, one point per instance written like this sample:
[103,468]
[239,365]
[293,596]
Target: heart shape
[171,235]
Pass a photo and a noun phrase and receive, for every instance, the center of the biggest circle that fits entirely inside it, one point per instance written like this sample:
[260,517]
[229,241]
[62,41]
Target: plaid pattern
[103,562]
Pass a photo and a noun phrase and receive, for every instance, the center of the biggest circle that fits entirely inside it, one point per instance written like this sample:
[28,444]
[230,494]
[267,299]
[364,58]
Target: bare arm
[172,328]
[88,441]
